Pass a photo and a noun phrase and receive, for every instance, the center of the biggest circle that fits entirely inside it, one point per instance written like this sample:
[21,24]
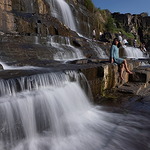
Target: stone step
[141,74]
[85,61]
[132,88]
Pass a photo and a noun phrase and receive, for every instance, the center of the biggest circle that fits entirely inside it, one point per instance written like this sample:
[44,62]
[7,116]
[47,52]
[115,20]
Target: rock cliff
[138,25]
[35,17]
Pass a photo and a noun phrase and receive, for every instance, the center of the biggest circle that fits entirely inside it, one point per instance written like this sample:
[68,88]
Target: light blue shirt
[114,52]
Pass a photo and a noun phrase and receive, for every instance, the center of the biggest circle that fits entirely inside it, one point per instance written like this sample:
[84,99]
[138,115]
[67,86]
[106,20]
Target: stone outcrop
[17,17]
[1,67]
[43,25]
[142,74]
[105,77]
[6,16]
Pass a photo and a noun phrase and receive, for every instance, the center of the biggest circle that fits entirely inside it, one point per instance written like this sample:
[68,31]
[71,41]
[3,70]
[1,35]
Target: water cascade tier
[64,50]
[133,52]
[51,111]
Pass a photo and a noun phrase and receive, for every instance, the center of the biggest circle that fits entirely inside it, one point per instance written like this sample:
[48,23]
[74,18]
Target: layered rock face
[29,18]
[25,16]
[7,21]
[84,18]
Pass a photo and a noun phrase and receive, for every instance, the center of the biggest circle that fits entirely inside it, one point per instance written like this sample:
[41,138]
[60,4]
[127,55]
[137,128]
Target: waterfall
[52,112]
[99,51]
[132,52]
[64,50]
[61,10]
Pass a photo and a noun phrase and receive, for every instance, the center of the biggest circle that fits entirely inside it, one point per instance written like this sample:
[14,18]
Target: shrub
[110,25]
[89,5]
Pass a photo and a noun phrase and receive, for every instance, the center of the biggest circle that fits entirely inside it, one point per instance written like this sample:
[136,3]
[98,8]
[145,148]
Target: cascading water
[52,112]
[61,10]
[100,52]
[6,67]
[64,50]
[132,52]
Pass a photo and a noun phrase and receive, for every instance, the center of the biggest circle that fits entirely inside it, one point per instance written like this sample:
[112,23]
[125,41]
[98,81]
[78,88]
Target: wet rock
[141,74]
[138,104]
[21,48]
[1,67]
[18,52]
[77,42]
[82,61]
[132,88]
[42,7]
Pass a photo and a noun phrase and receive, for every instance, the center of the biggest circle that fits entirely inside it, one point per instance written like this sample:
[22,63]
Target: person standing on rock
[100,35]
[94,34]
[120,37]
[114,58]
[135,43]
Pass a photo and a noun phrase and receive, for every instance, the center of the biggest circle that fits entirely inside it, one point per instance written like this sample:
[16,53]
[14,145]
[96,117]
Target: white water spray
[132,52]
[61,10]
[99,51]
[7,67]
[64,50]
[52,112]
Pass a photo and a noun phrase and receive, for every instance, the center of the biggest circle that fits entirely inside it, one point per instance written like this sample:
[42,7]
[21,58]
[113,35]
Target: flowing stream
[52,112]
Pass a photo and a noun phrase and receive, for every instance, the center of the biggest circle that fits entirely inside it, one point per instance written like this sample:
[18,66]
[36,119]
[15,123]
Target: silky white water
[52,112]
[61,10]
[132,52]
[7,67]
[99,51]
[64,50]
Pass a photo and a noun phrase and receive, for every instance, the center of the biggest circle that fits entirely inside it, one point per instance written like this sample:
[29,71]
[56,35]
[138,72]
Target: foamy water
[52,112]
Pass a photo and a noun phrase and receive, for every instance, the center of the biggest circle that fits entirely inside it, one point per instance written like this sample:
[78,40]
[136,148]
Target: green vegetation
[127,34]
[89,5]
[101,17]
[111,26]
[104,13]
